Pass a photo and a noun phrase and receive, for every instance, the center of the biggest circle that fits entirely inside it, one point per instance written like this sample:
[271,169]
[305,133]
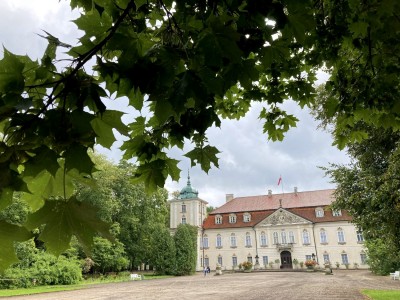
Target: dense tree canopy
[183,65]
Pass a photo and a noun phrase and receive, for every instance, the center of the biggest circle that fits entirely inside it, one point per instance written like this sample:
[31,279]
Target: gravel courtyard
[343,284]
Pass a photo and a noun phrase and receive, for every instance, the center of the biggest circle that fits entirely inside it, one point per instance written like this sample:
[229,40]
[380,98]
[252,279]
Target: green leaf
[104,125]
[62,219]
[11,78]
[8,235]
[204,156]
[153,174]
[76,157]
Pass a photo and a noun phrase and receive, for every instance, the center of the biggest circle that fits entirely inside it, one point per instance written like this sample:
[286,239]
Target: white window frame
[363,258]
[326,258]
[263,239]
[248,240]
[183,220]
[232,219]
[183,208]
[218,219]
[276,238]
[205,241]
[291,237]
[283,237]
[219,260]
[233,240]
[323,237]
[319,212]
[336,213]
[246,217]
[345,258]
[341,236]
[306,237]
[219,241]
[265,260]
[360,237]
[234,261]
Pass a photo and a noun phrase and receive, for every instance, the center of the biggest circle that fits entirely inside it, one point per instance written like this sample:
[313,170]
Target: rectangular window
[220,260]
[232,219]
[219,241]
[218,220]
[276,238]
[205,242]
[308,257]
[326,258]
[283,237]
[345,259]
[184,208]
[291,237]
[340,235]
[250,259]
[265,260]
[322,236]
[248,240]
[183,220]
[233,241]
[263,240]
[336,213]
[363,258]
[306,238]
[234,261]
[360,237]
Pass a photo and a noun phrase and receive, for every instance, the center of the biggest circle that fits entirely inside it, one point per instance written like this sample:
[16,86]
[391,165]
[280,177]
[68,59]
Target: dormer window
[336,213]
[319,212]
[246,217]
[218,219]
[232,218]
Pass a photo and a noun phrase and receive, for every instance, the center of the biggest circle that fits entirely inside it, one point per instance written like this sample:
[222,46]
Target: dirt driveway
[249,286]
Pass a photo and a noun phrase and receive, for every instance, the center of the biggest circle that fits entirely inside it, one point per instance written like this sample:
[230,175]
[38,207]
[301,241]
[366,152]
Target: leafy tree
[183,65]
[37,267]
[186,249]
[368,189]
[133,213]
[108,256]
[163,251]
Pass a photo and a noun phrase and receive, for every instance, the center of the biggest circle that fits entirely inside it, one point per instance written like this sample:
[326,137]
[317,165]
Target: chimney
[229,197]
[295,190]
[269,193]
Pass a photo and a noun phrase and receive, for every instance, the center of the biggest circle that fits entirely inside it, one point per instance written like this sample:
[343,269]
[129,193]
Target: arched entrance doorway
[286,260]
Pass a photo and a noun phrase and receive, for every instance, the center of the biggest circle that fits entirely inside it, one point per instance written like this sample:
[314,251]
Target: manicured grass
[382,294]
[59,288]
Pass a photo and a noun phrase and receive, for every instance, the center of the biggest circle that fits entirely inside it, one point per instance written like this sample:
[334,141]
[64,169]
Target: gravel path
[343,284]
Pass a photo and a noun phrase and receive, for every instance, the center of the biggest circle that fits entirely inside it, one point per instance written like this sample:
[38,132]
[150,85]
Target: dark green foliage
[37,267]
[186,249]
[369,190]
[163,251]
[108,256]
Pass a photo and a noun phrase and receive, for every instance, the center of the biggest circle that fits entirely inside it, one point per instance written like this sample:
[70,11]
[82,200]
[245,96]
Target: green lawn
[382,295]
[58,288]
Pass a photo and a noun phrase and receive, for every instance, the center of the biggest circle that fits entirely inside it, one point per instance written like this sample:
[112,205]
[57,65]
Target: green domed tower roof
[188,192]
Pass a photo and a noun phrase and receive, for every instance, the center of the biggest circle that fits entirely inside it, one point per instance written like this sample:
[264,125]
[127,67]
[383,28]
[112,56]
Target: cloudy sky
[249,163]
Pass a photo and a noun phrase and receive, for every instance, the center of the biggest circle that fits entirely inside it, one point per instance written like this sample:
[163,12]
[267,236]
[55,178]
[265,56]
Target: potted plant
[310,264]
[295,262]
[247,266]
[337,265]
[355,266]
[301,264]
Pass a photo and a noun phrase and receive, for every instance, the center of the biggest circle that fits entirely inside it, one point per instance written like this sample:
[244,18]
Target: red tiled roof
[302,204]
[268,202]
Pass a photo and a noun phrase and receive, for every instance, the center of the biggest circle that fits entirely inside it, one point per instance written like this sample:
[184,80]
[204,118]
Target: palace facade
[271,231]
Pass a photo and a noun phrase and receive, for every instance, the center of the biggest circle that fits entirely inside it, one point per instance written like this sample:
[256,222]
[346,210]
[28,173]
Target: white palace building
[271,231]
